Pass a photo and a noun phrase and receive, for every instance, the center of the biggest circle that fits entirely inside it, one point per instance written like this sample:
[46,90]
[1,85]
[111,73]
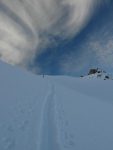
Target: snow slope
[54,113]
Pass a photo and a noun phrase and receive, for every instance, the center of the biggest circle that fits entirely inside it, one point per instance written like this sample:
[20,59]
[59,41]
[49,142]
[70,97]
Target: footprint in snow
[24,125]
[9,143]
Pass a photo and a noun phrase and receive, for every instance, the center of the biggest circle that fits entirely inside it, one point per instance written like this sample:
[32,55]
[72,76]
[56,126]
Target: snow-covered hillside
[54,113]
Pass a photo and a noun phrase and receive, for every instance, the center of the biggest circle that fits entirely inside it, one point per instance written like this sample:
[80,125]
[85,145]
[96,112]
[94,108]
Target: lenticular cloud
[26,24]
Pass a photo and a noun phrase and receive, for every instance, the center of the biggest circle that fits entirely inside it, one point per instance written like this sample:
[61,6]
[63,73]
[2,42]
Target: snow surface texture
[54,113]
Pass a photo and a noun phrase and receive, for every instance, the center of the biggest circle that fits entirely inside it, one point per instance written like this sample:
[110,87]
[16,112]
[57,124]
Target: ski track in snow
[53,132]
[49,137]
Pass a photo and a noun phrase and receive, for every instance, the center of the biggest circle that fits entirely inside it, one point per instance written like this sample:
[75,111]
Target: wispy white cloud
[95,55]
[25,24]
[103,51]
[72,64]
[96,50]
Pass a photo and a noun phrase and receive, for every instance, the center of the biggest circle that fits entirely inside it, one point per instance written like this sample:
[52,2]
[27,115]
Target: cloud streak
[26,24]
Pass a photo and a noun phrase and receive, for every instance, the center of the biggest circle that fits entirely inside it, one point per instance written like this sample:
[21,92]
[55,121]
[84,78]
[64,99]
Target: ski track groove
[52,131]
[48,133]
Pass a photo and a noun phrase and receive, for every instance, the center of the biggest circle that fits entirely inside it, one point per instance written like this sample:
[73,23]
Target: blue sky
[62,38]
[76,54]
